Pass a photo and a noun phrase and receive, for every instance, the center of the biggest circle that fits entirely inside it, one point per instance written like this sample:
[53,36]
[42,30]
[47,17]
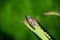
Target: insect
[34,26]
[30,21]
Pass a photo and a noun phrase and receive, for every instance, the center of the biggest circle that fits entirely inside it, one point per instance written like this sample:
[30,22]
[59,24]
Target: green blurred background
[12,13]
